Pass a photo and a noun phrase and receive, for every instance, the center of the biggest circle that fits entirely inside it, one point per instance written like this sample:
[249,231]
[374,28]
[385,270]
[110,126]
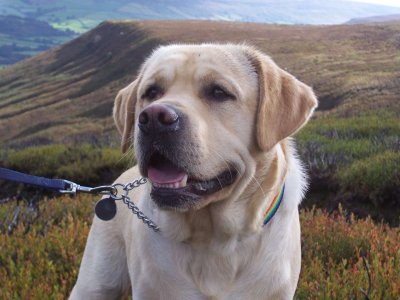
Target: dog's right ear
[285,104]
[124,113]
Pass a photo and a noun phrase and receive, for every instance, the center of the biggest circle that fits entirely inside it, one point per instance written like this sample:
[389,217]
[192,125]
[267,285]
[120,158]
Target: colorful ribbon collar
[276,202]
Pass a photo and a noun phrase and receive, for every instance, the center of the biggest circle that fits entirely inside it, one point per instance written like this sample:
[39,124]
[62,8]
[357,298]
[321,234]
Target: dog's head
[197,113]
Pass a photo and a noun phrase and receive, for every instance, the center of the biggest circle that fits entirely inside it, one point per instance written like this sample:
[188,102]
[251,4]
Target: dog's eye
[218,93]
[153,92]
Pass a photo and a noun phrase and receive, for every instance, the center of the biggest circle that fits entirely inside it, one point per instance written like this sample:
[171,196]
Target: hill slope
[375,19]
[80,16]
[66,94]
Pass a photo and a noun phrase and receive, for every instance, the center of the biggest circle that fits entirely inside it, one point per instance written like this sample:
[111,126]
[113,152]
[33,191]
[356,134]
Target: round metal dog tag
[106,209]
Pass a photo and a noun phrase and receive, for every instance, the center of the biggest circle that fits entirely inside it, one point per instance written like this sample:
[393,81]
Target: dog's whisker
[223,160]
[129,154]
[227,164]
[259,185]
[253,178]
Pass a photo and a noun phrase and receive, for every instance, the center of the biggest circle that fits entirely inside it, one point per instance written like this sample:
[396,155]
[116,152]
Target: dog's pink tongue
[165,172]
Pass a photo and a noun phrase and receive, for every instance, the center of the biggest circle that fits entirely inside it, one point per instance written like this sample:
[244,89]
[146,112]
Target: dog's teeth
[183,182]
[175,185]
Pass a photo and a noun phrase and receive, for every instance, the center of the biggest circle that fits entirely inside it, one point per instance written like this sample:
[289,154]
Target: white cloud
[394,3]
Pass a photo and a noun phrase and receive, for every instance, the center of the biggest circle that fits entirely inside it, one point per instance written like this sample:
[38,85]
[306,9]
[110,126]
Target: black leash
[58,185]
[105,208]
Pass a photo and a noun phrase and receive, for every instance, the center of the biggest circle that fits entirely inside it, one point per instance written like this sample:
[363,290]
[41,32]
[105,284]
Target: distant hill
[22,37]
[80,16]
[27,27]
[66,94]
[83,15]
[375,19]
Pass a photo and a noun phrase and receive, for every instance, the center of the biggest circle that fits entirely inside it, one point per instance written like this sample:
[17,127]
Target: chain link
[125,198]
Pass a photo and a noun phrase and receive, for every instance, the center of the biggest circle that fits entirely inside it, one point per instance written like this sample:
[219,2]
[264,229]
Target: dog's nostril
[167,116]
[143,118]
[158,118]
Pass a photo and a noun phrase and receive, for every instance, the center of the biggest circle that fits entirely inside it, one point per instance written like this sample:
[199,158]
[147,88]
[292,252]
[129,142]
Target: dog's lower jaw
[171,199]
[219,223]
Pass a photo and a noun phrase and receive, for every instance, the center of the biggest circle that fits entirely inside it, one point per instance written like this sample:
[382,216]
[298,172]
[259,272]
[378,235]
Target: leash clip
[74,188]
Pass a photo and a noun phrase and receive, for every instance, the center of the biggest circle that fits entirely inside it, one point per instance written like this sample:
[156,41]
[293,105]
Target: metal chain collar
[125,198]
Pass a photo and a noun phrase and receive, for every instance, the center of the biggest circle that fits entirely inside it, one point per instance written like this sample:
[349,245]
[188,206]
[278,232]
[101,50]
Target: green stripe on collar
[276,202]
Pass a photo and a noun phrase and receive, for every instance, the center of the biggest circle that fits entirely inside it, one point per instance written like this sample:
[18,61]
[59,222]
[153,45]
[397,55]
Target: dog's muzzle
[166,156]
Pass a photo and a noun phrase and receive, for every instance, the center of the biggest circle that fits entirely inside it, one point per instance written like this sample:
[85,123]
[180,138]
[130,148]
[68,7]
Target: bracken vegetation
[43,263]
[333,249]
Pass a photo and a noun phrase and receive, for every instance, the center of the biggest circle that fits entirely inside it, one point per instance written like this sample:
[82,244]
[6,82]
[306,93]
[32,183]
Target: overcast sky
[382,2]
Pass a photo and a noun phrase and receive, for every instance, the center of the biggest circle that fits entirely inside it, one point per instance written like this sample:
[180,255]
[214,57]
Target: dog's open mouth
[170,181]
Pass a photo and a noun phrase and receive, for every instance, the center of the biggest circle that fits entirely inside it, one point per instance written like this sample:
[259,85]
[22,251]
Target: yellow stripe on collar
[276,202]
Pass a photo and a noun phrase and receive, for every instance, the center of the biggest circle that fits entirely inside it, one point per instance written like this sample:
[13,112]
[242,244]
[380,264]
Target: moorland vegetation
[55,121]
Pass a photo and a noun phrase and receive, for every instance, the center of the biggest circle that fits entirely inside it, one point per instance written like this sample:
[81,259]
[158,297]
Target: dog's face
[198,113]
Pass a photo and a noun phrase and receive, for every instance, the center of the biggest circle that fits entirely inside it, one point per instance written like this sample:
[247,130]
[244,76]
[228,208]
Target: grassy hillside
[66,94]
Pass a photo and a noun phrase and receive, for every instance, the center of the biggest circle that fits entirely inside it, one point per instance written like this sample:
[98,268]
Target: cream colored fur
[217,250]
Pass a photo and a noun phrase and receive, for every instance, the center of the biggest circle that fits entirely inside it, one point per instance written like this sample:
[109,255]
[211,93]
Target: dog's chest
[212,272]
[200,273]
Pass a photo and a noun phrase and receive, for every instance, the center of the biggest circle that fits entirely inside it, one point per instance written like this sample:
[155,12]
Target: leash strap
[105,208]
[53,184]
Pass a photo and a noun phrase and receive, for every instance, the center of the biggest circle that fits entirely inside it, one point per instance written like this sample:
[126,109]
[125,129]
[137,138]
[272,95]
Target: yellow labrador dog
[210,125]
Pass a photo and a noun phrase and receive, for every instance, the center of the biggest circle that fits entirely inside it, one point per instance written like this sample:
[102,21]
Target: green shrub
[84,164]
[375,178]
[368,125]
[355,160]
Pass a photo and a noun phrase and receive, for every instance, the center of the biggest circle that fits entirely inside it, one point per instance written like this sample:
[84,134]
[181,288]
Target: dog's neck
[228,221]
[268,182]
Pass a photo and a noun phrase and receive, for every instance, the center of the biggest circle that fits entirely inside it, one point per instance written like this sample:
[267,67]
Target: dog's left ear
[285,104]
[124,113]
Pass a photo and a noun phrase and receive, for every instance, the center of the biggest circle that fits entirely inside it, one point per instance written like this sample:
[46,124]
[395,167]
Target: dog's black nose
[158,118]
